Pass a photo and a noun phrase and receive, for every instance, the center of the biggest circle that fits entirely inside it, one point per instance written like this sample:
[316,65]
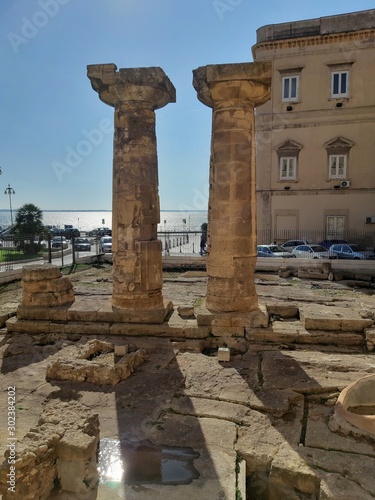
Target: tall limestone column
[135,93]
[232,91]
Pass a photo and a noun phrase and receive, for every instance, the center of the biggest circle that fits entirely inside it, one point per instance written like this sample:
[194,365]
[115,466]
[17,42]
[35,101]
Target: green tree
[29,226]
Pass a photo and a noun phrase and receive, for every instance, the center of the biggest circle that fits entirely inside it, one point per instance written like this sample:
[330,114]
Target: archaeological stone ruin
[227,375]
[135,93]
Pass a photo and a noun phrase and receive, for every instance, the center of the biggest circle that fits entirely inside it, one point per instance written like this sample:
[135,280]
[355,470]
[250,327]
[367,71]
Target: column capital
[249,82]
[142,85]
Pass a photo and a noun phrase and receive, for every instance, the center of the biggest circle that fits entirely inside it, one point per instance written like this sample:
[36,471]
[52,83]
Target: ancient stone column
[232,91]
[135,93]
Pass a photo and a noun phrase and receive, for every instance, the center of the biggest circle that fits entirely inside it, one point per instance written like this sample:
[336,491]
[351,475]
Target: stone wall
[60,451]
[44,286]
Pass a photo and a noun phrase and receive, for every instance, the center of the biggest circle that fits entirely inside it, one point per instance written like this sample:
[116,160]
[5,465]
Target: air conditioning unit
[344,184]
[370,220]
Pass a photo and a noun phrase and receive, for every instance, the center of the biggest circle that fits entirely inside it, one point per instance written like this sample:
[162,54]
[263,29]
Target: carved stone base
[233,323]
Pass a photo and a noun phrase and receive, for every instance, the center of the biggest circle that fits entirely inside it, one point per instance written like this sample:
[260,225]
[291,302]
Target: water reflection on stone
[145,463]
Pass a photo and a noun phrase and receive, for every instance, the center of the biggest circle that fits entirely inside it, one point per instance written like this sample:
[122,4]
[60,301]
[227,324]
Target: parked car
[289,245]
[100,231]
[59,241]
[105,244]
[7,234]
[82,245]
[351,251]
[329,243]
[312,252]
[273,251]
[67,232]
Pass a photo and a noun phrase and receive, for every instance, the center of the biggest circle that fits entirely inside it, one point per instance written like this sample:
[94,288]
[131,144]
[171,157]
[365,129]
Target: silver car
[105,244]
[351,251]
[273,251]
[312,252]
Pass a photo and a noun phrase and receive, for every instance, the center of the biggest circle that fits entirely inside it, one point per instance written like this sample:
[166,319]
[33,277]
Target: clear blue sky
[48,108]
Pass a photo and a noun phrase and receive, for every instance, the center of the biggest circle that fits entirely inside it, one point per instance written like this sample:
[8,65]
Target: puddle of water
[145,463]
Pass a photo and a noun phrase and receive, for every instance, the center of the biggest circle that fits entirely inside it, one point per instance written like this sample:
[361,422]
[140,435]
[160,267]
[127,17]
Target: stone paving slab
[319,435]
[319,317]
[358,469]
[258,405]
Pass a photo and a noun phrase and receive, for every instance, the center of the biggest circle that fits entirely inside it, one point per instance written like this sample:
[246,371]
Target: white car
[273,251]
[105,244]
[311,252]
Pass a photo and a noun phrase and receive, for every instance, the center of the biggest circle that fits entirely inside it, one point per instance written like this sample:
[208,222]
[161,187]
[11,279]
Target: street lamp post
[9,191]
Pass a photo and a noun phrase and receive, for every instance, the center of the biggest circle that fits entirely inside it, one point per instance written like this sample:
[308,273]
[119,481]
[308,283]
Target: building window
[288,154]
[338,157]
[337,166]
[288,168]
[340,84]
[290,84]
[335,226]
[290,88]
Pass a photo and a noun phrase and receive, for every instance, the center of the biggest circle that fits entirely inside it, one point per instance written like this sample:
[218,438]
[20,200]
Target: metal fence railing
[17,252]
[365,238]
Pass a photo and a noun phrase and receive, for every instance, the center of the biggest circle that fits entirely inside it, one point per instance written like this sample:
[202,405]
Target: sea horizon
[87,220]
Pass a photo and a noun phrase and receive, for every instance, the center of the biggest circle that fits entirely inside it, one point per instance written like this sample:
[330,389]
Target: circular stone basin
[356,404]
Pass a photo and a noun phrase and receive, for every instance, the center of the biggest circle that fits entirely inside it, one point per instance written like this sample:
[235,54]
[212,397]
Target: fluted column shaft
[137,257]
[232,91]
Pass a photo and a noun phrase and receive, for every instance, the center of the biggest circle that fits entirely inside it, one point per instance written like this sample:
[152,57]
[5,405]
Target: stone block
[77,477]
[76,446]
[313,274]
[283,310]
[223,354]
[151,264]
[228,331]
[42,313]
[186,312]
[79,314]
[289,472]
[320,317]
[121,350]
[40,272]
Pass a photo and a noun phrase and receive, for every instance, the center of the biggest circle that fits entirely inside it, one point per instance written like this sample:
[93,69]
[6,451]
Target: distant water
[87,220]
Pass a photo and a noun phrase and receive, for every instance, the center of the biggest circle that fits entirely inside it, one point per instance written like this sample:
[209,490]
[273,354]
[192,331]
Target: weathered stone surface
[232,90]
[291,477]
[40,272]
[283,310]
[42,313]
[350,465]
[319,435]
[226,324]
[313,371]
[334,486]
[370,338]
[295,332]
[62,428]
[154,404]
[135,93]
[314,317]
[186,312]
[44,286]
[99,370]
[359,394]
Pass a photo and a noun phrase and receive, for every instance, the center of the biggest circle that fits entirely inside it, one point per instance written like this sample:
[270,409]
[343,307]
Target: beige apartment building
[316,136]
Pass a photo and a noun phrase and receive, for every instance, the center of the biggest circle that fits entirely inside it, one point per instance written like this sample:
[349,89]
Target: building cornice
[353,36]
